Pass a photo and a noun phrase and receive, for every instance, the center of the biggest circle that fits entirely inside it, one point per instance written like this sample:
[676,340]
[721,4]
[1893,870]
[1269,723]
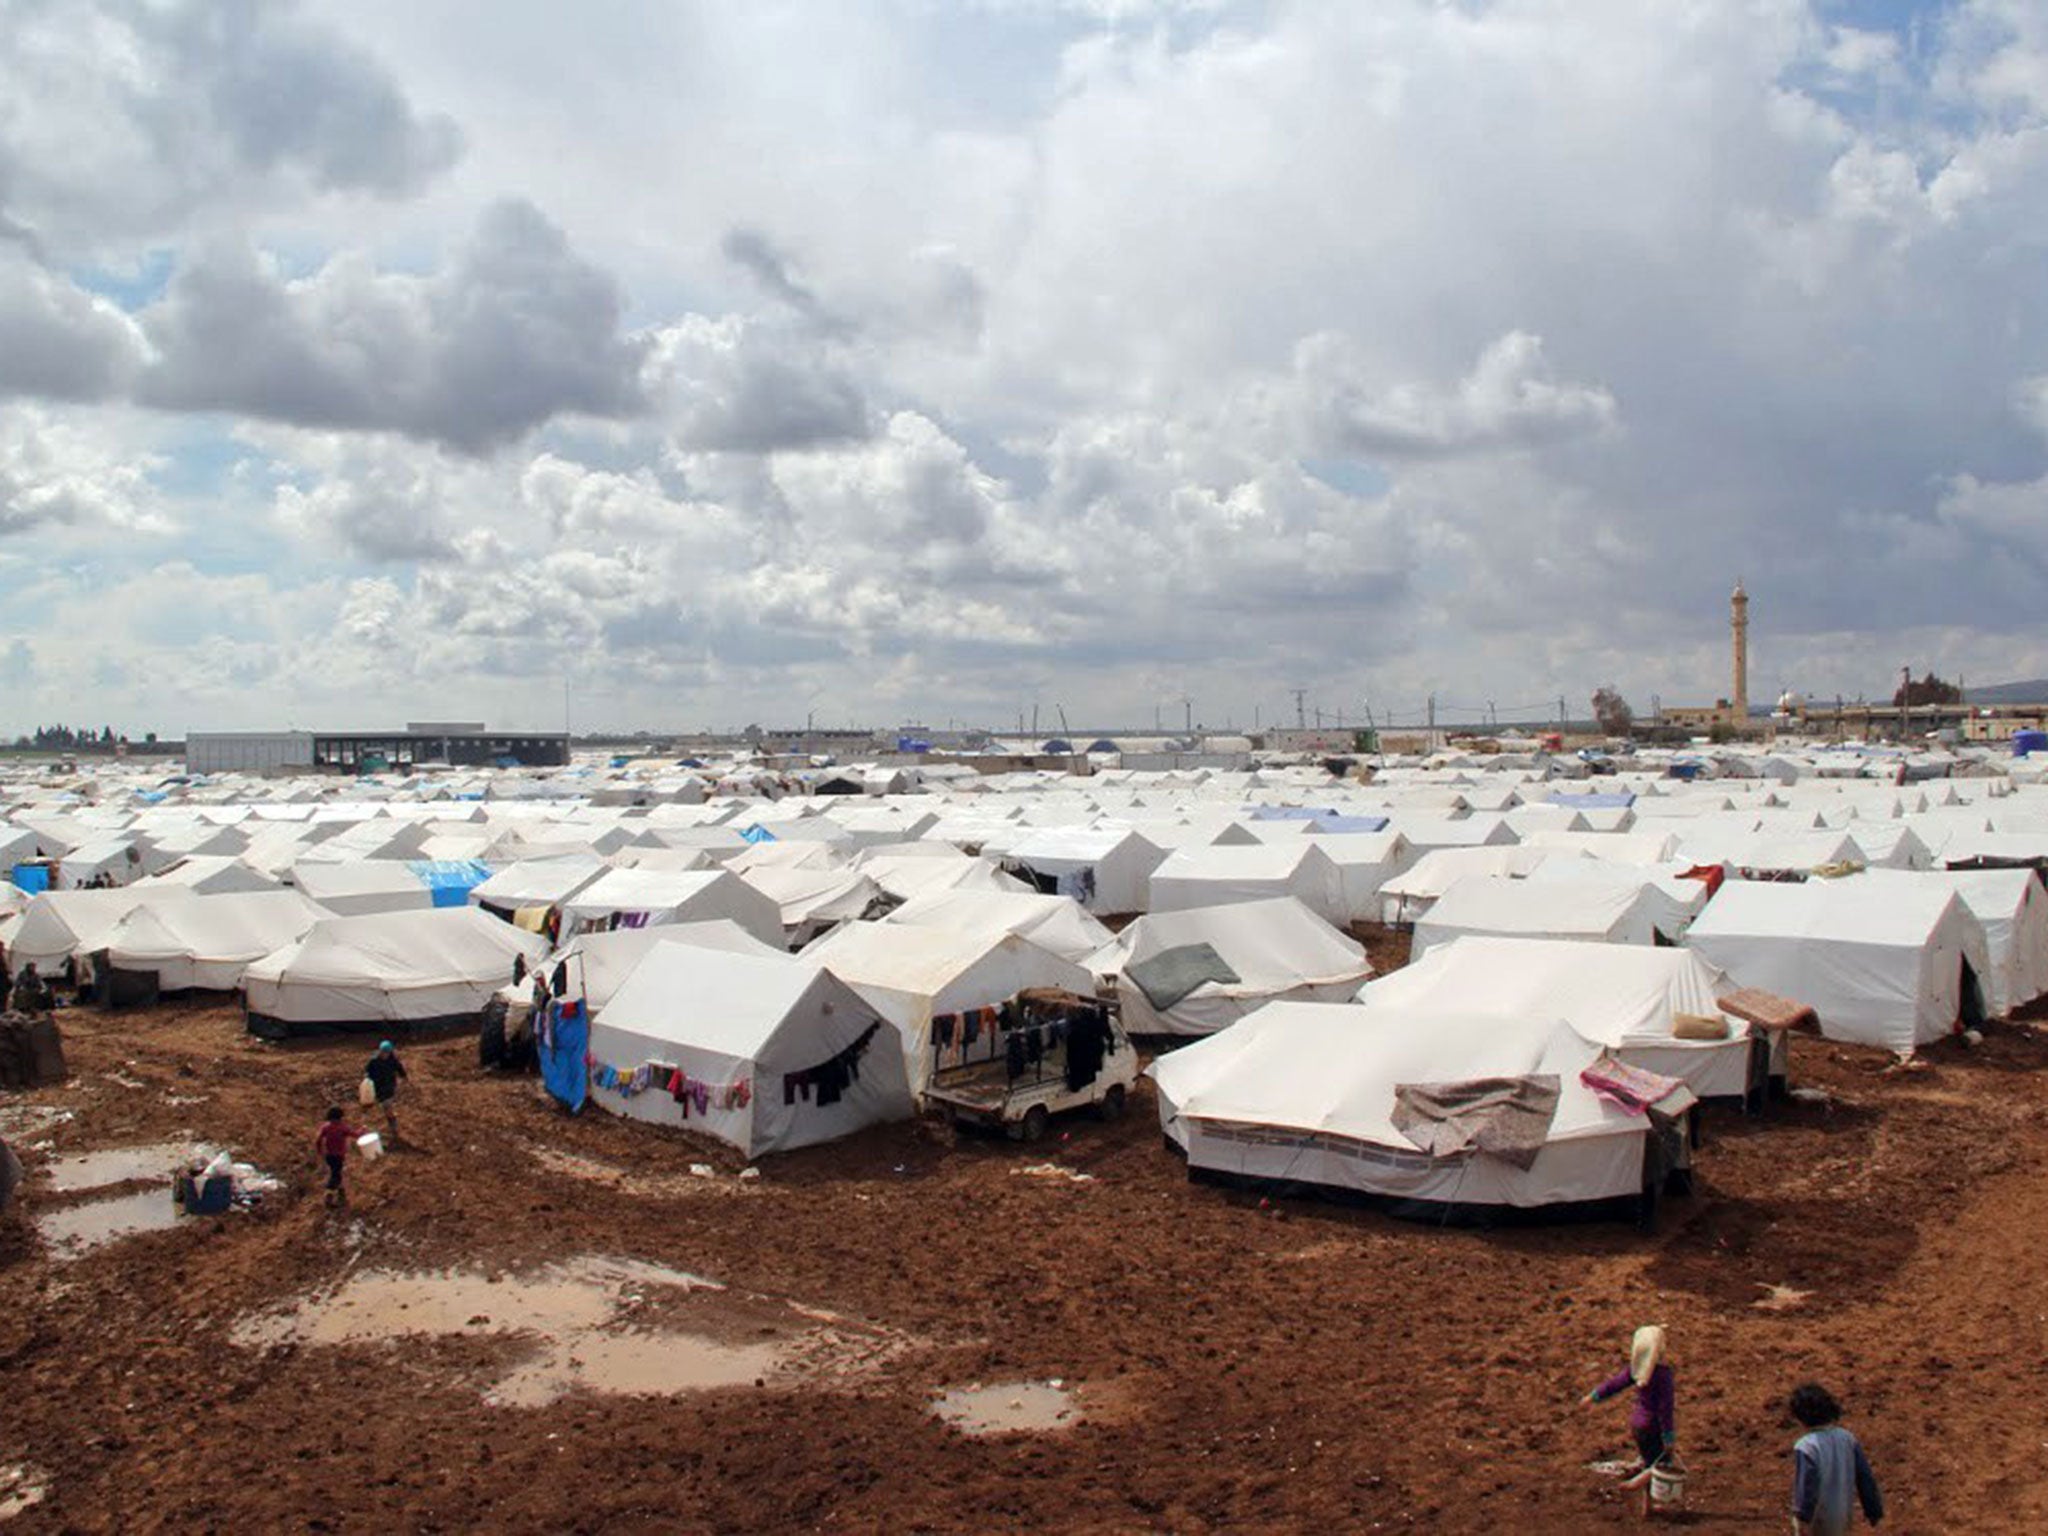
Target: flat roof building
[467,744]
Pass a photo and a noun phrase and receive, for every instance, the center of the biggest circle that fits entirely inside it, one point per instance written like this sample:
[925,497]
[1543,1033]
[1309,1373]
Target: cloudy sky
[364,360]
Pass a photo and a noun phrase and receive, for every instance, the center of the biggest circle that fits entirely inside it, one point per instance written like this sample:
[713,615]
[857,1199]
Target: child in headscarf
[1653,1418]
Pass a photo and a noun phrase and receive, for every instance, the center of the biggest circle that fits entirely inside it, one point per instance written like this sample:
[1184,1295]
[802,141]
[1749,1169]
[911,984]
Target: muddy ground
[1238,1364]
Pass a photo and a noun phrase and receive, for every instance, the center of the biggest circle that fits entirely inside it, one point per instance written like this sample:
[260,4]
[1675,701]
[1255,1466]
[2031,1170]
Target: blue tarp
[450,880]
[1351,824]
[2024,742]
[1290,813]
[32,878]
[757,834]
[1618,800]
[562,1065]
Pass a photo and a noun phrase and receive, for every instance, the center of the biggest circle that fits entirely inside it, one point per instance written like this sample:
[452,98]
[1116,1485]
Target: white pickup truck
[1048,1052]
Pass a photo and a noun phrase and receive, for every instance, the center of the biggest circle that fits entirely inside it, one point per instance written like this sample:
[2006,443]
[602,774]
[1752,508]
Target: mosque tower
[1738,623]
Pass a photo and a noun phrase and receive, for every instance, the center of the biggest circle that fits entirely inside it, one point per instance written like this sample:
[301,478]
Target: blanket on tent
[1633,1088]
[1504,1117]
[1172,974]
[1767,1010]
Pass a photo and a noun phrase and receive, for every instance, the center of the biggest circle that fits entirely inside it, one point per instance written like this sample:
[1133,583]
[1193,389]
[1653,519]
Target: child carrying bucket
[1653,1416]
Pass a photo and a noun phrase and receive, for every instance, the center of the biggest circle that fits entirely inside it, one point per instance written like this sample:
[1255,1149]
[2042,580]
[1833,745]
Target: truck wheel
[1113,1104]
[1034,1124]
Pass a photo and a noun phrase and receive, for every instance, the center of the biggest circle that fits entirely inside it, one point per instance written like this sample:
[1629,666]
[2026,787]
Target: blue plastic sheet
[563,1065]
[32,878]
[449,880]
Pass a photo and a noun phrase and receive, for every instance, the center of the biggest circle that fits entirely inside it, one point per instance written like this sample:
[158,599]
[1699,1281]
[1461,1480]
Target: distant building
[1732,713]
[460,744]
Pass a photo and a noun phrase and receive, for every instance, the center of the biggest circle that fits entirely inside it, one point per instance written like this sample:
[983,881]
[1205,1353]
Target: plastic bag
[366,1093]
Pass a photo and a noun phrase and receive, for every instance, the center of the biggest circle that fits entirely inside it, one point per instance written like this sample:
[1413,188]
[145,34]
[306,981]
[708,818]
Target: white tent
[775,1025]
[1410,894]
[61,925]
[362,888]
[1365,862]
[1056,923]
[1623,996]
[1220,874]
[213,875]
[1881,962]
[911,972]
[1604,912]
[549,882]
[1107,870]
[207,942]
[1306,1092]
[1278,949]
[903,876]
[2012,909]
[813,901]
[365,973]
[599,963]
[652,897]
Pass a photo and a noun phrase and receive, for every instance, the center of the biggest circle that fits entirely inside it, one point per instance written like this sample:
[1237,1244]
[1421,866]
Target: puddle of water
[571,1312]
[1008,1408]
[156,1162]
[76,1229]
[21,1489]
[636,1365]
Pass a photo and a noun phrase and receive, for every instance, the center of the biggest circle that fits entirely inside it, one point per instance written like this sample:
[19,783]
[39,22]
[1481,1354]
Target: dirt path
[1280,1367]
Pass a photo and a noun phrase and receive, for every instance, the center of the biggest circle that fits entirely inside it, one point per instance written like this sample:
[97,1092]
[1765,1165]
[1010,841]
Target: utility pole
[1300,708]
[1432,723]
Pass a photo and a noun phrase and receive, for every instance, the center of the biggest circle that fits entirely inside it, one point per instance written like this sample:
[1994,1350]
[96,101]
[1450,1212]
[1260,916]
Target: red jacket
[333,1138]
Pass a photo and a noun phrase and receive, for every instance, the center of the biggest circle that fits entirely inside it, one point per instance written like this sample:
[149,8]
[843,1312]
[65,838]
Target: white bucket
[1667,1485]
[371,1145]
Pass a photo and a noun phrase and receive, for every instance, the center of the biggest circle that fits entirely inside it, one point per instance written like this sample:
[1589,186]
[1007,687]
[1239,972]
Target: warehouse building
[458,744]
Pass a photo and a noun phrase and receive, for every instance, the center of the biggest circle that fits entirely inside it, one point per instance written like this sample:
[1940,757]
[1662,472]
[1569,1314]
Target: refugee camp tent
[1365,862]
[1218,875]
[545,882]
[1195,972]
[2012,909]
[1601,911]
[213,875]
[1308,1093]
[905,875]
[911,972]
[385,970]
[763,1053]
[1883,963]
[62,925]
[1107,870]
[362,888]
[597,964]
[206,943]
[814,901]
[1407,896]
[1056,923]
[1624,996]
[648,898]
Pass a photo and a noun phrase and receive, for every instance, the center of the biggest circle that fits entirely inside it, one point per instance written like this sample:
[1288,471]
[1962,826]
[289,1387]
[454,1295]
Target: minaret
[1738,622]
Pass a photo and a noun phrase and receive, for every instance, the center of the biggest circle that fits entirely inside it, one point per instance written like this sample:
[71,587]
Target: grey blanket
[1172,974]
[1504,1117]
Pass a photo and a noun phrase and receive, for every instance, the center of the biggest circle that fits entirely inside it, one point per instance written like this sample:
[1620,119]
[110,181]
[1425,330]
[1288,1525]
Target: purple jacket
[1656,1404]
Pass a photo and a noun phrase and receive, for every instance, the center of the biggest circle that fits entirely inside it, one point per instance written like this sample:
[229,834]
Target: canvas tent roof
[207,942]
[389,967]
[1879,961]
[1328,1072]
[1277,948]
[1628,912]
[1055,923]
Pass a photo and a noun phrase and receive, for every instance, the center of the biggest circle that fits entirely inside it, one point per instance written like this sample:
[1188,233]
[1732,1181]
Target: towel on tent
[1767,1010]
[1632,1088]
[1504,1117]
[530,919]
[1170,975]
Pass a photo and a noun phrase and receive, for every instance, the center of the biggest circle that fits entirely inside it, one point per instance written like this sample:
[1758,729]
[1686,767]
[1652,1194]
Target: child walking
[332,1141]
[1828,1468]
[1653,1417]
